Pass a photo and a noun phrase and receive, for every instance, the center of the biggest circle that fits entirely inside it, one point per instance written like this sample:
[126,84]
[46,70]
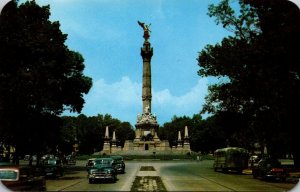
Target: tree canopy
[261,66]
[40,76]
[89,132]
[205,135]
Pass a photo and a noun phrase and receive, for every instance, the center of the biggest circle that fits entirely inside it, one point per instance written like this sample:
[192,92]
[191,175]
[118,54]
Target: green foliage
[89,132]
[169,131]
[243,25]
[39,77]
[204,135]
[261,64]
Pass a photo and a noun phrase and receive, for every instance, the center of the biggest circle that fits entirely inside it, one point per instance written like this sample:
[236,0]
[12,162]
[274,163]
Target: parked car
[52,167]
[17,178]
[118,163]
[102,172]
[28,157]
[90,164]
[253,160]
[268,168]
[70,160]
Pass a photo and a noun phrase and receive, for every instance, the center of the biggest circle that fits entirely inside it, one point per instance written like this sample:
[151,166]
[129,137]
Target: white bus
[231,158]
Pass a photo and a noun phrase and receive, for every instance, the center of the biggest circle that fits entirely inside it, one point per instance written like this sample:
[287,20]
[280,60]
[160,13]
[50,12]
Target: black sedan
[118,163]
[52,167]
[271,169]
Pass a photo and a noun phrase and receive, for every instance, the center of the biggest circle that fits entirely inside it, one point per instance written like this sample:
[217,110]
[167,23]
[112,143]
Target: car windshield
[8,175]
[51,162]
[118,161]
[102,161]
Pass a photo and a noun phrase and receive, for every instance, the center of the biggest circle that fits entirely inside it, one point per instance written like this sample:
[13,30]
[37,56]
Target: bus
[231,158]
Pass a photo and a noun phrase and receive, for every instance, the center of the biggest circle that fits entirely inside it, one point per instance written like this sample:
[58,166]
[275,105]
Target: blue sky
[106,33]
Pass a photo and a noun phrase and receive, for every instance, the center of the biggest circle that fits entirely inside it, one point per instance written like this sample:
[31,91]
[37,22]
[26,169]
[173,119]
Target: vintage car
[52,167]
[93,161]
[118,163]
[101,172]
[70,160]
[90,164]
[17,178]
[253,160]
[268,168]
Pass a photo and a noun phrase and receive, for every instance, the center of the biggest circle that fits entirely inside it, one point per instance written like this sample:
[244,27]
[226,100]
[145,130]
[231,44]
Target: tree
[205,135]
[124,132]
[39,76]
[261,67]
[90,131]
[169,131]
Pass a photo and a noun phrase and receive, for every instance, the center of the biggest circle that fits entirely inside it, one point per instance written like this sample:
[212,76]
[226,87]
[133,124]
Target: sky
[108,36]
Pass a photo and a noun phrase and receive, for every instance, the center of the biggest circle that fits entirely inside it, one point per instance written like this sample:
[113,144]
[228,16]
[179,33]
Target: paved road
[199,176]
[176,175]
[76,180]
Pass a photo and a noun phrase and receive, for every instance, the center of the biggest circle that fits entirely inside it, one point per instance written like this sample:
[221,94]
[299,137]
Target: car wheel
[91,181]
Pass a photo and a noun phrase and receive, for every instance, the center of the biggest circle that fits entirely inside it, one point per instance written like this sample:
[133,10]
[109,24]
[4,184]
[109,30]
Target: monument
[146,127]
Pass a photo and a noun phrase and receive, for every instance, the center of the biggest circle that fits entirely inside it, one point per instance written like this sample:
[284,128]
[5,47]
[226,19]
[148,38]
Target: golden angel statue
[146,30]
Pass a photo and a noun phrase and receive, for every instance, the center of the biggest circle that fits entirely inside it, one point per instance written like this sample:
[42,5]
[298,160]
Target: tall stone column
[146,53]
[146,122]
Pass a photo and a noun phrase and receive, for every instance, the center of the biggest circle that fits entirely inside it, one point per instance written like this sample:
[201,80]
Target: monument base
[138,145]
[106,148]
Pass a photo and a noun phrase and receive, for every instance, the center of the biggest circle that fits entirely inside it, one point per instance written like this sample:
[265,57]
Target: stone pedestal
[186,147]
[115,149]
[106,148]
[128,145]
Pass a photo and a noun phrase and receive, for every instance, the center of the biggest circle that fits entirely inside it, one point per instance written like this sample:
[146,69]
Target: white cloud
[122,100]
[123,93]
[188,104]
